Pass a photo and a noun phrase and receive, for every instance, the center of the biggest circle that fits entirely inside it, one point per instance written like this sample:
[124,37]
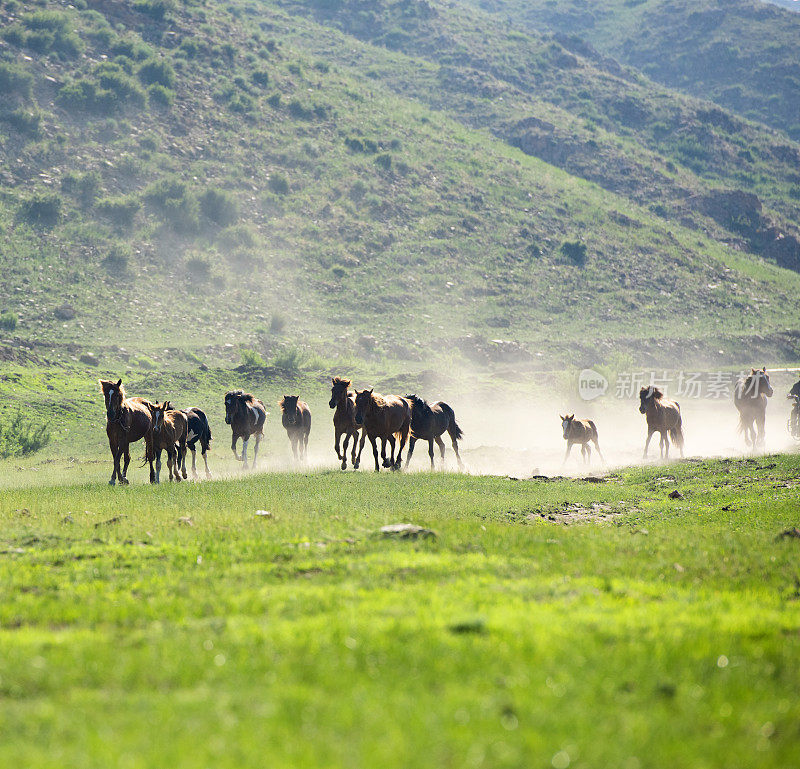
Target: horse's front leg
[194,457]
[337,438]
[244,452]
[388,461]
[126,462]
[116,452]
[761,432]
[294,447]
[397,464]
[374,441]
[205,462]
[357,460]
[411,441]
[157,475]
[233,447]
[255,449]
[343,457]
[430,453]
[569,448]
[586,450]
[650,434]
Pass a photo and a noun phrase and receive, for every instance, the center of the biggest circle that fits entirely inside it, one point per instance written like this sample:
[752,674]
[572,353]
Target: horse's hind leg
[182,446]
[343,455]
[255,449]
[600,453]
[387,461]
[116,452]
[455,448]
[194,458]
[566,453]
[430,452]
[205,461]
[586,451]
[650,434]
[761,436]
[357,459]
[664,445]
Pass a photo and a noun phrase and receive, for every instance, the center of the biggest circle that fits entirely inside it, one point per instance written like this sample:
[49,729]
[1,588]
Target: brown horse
[127,421]
[750,398]
[344,419]
[383,416]
[428,423]
[170,433]
[296,421]
[581,431]
[663,416]
[246,415]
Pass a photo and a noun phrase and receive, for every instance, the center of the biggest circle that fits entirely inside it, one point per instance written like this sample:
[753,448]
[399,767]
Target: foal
[246,415]
[580,431]
[428,423]
[663,416]
[170,432]
[127,421]
[296,421]
[344,419]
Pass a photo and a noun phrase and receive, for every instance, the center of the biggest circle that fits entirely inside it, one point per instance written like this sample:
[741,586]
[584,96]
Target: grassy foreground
[549,623]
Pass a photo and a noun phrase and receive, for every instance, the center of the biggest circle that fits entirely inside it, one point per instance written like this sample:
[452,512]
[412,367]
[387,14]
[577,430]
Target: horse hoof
[124,481]
[208,475]
[344,465]
[112,482]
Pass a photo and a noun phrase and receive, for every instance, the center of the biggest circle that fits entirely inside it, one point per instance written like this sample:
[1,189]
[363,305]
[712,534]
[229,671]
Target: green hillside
[742,54]
[385,181]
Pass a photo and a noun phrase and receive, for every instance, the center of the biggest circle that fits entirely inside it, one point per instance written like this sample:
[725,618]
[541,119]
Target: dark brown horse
[170,433]
[127,421]
[384,417]
[428,423]
[580,431]
[296,421]
[750,398]
[663,416]
[344,419]
[246,415]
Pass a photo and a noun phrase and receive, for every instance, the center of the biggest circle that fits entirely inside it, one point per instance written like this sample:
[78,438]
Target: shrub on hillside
[219,207]
[574,250]
[240,236]
[131,48]
[41,210]
[278,183]
[155,9]
[260,77]
[117,258]
[120,211]
[15,82]
[198,268]
[158,94]
[125,90]
[173,202]
[45,32]
[20,436]
[158,71]
[23,121]
[8,320]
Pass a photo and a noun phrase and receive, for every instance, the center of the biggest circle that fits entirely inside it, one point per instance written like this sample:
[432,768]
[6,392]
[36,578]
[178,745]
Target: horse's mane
[656,393]
[416,400]
[243,396]
[282,404]
[337,380]
[378,400]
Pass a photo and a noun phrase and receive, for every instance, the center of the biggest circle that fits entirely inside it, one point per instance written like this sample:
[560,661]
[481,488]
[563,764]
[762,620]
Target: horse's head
[566,423]
[758,383]
[288,405]
[232,401]
[114,394]
[646,396]
[363,402]
[338,390]
[157,411]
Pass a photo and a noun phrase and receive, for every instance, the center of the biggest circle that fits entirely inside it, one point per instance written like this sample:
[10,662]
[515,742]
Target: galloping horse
[246,415]
[296,421]
[199,430]
[383,416]
[663,416]
[170,431]
[127,421]
[750,398]
[344,422]
[428,423]
[580,431]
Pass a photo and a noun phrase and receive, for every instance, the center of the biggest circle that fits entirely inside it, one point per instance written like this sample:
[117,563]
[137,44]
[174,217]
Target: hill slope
[267,175]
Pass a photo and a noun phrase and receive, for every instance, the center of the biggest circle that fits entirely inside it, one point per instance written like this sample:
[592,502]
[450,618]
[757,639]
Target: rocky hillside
[400,181]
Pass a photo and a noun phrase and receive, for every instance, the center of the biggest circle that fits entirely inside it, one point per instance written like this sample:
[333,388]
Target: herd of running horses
[363,414]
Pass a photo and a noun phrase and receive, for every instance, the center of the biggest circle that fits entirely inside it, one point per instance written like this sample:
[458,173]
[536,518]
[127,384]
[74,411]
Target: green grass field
[555,623]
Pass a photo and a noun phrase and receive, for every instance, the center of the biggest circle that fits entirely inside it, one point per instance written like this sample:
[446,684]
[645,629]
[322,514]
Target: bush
[15,81]
[20,436]
[277,323]
[384,160]
[49,31]
[155,9]
[575,251]
[120,211]
[42,210]
[238,236]
[156,71]
[260,77]
[160,95]
[278,183]
[23,121]
[198,268]
[131,48]
[219,207]
[289,361]
[8,320]
[173,202]
[117,258]
[125,89]
[253,359]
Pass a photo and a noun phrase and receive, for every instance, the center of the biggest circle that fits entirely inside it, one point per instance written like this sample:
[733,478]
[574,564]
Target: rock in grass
[263,514]
[675,495]
[476,625]
[185,520]
[406,531]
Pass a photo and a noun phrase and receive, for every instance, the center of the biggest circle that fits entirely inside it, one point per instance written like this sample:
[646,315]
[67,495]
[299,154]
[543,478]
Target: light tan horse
[384,417]
[663,416]
[344,419]
[750,398]
[581,431]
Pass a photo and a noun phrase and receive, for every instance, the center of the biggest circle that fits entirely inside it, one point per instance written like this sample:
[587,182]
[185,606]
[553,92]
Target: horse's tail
[594,436]
[205,430]
[676,433]
[456,433]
